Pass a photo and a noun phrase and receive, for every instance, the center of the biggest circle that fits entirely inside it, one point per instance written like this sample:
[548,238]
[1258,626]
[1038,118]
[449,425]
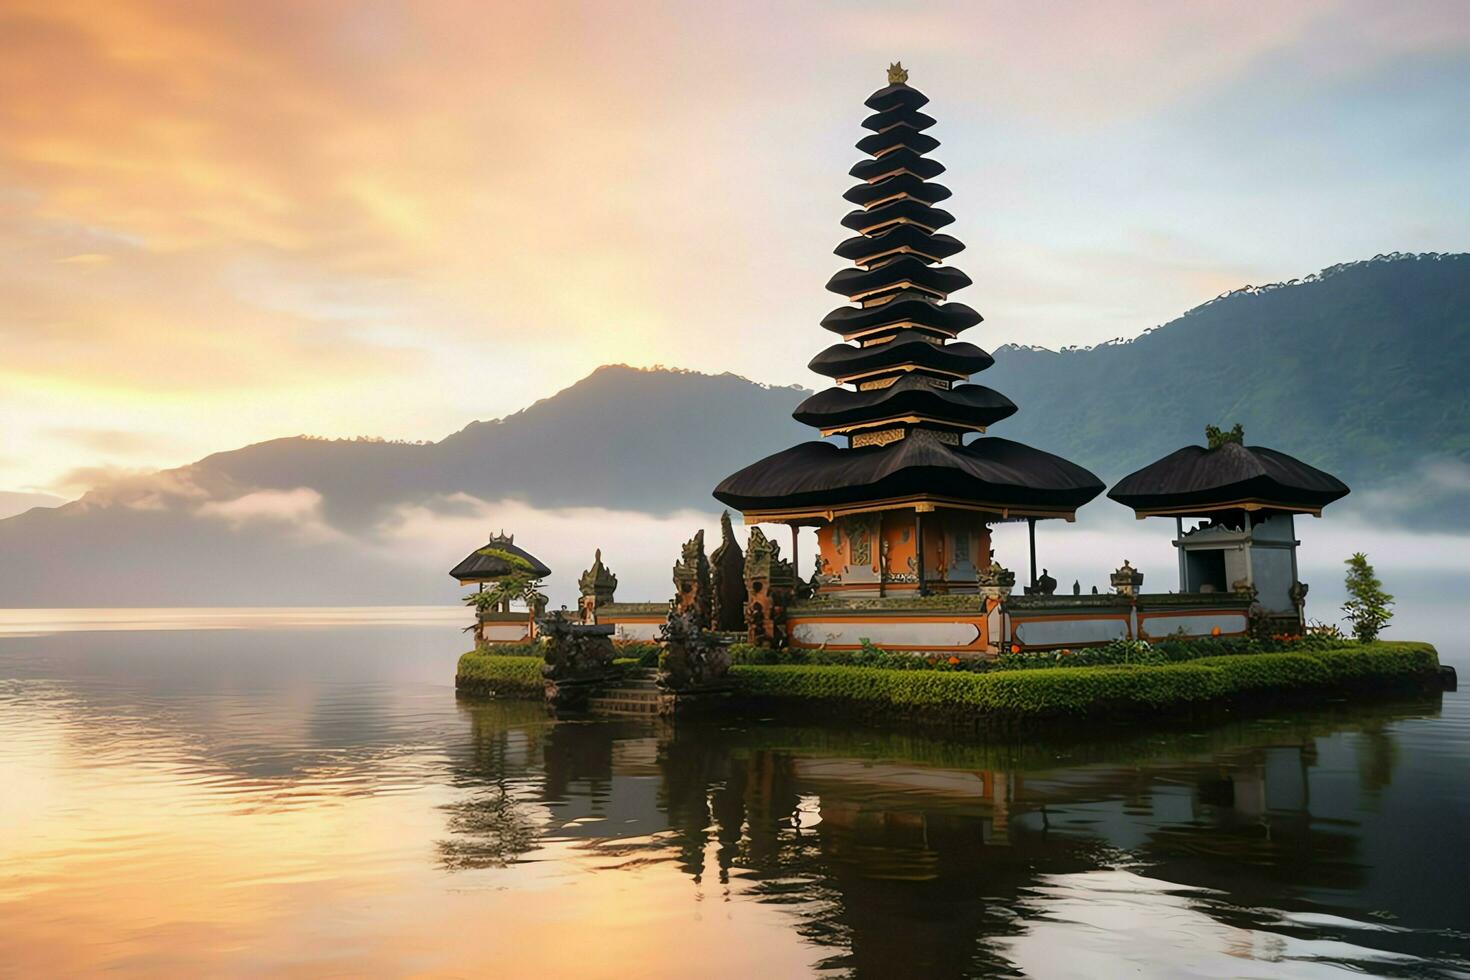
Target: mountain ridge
[1353,370]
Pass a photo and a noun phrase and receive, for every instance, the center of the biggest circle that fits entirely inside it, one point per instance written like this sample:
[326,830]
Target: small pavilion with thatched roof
[513,576]
[1247,498]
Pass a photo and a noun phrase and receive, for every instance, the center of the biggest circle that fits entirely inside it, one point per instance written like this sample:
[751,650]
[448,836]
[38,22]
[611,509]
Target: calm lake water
[256,793]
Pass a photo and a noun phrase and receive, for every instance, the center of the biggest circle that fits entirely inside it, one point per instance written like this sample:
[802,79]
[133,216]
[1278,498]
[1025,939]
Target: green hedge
[1080,690]
[516,675]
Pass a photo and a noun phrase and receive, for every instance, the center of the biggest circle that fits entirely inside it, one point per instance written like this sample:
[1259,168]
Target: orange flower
[1015,648]
[953,661]
[1215,631]
[1066,652]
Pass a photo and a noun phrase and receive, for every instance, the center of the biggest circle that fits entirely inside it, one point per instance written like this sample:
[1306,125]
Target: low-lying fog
[1429,574]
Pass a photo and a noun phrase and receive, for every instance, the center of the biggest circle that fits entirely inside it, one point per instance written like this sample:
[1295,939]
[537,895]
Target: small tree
[1367,606]
[1215,437]
[517,586]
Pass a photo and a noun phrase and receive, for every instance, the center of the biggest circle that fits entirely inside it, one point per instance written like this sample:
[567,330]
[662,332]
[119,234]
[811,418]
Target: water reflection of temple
[902,854]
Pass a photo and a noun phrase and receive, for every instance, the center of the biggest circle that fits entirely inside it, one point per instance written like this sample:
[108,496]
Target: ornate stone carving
[860,543]
[578,659]
[769,583]
[897,74]
[727,580]
[597,586]
[997,574]
[693,657]
[691,578]
[995,580]
[1127,580]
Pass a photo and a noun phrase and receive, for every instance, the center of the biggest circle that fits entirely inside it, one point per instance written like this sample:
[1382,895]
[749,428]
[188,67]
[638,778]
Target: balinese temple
[497,559]
[901,501]
[1245,500]
[905,483]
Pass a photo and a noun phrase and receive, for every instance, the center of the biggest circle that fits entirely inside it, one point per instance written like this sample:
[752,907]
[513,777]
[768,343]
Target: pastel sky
[223,222]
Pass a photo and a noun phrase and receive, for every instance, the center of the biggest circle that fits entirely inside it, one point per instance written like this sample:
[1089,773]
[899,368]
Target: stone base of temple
[979,625]
[960,626]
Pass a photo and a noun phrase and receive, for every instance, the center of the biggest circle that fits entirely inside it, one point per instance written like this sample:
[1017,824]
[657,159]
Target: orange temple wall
[869,551]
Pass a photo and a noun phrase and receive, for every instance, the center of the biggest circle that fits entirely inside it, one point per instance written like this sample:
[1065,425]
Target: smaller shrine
[507,600]
[1243,502]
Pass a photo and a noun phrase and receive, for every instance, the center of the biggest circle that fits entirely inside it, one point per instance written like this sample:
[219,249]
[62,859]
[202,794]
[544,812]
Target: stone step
[608,705]
[631,693]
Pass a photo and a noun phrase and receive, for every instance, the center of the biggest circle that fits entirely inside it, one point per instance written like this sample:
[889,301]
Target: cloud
[117,486]
[640,548]
[113,442]
[298,511]
[84,478]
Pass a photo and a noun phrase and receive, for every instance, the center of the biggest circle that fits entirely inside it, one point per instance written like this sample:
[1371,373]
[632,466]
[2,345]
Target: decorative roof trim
[1249,504]
[922,503]
[906,366]
[842,430]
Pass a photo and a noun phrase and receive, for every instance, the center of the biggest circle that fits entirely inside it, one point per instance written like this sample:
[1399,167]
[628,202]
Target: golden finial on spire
[897,73]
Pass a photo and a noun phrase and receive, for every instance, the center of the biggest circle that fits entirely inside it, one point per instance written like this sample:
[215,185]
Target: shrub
[1367,609]
[531,648]
[644,652]
[1116,652]
[869,655]
[1017,692]
[516,675]
[1048,691]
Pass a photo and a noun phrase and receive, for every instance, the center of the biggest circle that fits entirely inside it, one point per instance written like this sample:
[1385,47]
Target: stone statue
[1076,587]
[727,581]
[1127,580]
[693,657]
[577,659]
[1046,585]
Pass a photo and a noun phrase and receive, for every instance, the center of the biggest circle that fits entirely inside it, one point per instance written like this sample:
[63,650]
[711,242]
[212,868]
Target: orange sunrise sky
[225,222]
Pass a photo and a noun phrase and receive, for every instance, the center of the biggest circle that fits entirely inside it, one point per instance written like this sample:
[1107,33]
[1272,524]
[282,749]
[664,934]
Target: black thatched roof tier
[1196,480]
[894,274]
[499,558]
[899,240]
[907,348]
[920,190]
[899,161]
[904,210]
[912,118]
[906,136]
[896,96]
[989,473]
[906,308]
[963,406]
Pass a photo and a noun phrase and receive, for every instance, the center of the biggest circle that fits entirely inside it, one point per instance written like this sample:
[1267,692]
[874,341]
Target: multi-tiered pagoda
[907,503]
